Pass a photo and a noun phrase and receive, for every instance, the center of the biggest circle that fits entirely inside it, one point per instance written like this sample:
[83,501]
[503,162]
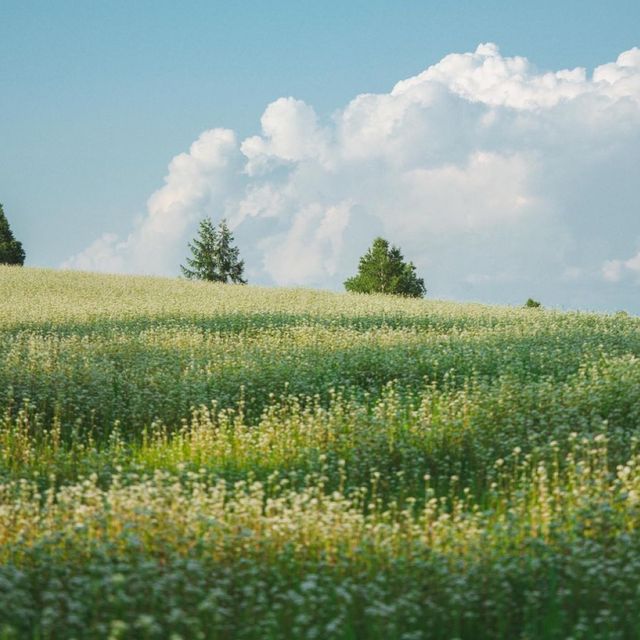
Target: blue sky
[97,98]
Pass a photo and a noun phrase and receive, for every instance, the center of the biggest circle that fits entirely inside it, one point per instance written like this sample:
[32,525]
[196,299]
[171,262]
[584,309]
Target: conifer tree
[383,270]
[214,256]
[11,251]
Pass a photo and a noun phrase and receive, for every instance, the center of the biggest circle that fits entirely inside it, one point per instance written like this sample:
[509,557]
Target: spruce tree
[383,270]
[11,251]
[213,255]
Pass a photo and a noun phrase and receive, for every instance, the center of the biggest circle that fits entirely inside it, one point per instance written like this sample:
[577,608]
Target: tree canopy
[214,256]
[383,270]
[11,251]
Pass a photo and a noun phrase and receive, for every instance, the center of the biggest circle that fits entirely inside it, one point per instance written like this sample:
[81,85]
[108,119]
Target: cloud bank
[498,180]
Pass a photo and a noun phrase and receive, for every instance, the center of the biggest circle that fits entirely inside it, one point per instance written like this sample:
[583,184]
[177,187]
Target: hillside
[216,461]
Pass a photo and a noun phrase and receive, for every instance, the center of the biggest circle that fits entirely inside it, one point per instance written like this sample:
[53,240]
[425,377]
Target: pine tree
[11,251]
[383,270]
[214,257]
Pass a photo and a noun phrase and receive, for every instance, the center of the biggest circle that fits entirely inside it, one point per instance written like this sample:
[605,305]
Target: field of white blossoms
[187,460]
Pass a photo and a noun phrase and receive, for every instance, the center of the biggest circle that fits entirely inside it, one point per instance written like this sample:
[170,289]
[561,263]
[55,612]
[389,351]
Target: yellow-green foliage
[192,460]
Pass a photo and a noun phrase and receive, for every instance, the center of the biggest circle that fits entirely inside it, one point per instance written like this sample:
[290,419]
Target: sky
[497,143]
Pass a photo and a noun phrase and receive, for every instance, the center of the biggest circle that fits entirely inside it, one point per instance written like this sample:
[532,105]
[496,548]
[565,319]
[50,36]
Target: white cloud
[311,248]
[290,133]
[196,181]
[617,270]
[490,189]
[104,254]
[499,181]
[486,77]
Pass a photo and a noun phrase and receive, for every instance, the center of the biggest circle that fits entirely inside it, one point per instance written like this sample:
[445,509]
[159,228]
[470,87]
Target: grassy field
[186,460]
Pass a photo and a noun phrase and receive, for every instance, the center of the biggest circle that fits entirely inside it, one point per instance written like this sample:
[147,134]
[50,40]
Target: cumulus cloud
[196,181]
[498,180]
[290,133]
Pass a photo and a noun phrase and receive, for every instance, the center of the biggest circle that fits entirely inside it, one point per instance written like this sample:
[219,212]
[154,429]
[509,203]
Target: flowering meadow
[187,460]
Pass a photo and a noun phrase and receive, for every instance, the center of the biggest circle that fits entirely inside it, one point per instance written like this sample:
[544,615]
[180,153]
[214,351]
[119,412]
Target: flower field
[188,460]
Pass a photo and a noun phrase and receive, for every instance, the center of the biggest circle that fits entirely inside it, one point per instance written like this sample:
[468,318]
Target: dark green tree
[383,270]
[532,304]
[11,251]
[214,256]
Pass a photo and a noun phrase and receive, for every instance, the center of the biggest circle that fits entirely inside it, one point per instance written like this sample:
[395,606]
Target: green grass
[186,460]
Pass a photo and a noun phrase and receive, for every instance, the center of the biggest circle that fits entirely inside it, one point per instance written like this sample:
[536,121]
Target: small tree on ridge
[11,251]
[383,270]
[213,256]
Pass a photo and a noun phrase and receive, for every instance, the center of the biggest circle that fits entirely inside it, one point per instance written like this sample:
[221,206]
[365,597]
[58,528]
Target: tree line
[382,268]
[215,258]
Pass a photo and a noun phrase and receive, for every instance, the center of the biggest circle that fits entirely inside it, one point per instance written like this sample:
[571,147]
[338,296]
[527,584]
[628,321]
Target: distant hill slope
[34,295]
